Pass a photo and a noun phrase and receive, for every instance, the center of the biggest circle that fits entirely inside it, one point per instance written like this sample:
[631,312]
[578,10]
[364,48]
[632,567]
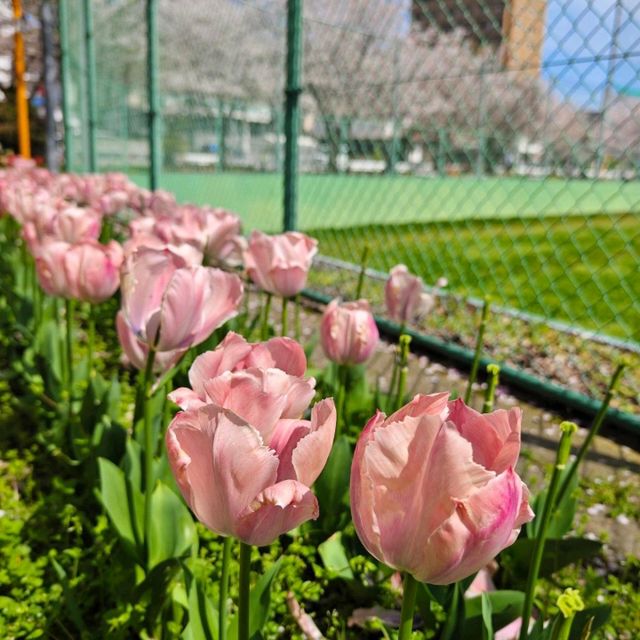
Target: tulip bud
[280,264]
[348,332]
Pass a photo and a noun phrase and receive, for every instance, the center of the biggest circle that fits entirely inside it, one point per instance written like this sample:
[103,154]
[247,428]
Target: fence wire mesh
[494,143]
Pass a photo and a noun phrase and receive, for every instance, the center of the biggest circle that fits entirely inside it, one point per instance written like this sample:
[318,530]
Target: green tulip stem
[264,331]
[69,307]
[593,431]
[478,352]
[297,320]
[149,448]
[562,455]
[410,589]
[224,589]
[91,339]
[341,396]
[493,371]
[403,369]
[244,588]
[285,316]
[363,270]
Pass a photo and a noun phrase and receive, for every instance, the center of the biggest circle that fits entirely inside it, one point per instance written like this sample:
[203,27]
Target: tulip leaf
[124,505]
[173,531]
[562,516]
[487,622]
[332,487]
[334,557]
[502,608]
[132,463]
[259,603]
[598,617]
[203,615]
[557,554]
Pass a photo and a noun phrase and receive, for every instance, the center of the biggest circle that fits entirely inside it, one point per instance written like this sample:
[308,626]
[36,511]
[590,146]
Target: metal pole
[155,142]
[606,97]
[292,112]
[22,103]
[51,84]
[63,28]
[90,55]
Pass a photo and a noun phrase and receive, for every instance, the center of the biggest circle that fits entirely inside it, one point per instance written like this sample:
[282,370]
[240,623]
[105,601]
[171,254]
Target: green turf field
[332,201]
[567,250]
[578,270]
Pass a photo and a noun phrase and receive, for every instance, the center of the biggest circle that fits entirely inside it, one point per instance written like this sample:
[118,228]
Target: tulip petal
[279,353]
[489,516]
[277,509]
[185,398]
[419,468]
[495,437]
[222,462]
[249,394]
[434,404]
[311,454]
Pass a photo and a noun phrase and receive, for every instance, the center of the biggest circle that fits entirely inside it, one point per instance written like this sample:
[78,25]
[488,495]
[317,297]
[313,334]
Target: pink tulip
[234,353]
[169,306]
[93,270]
[405,296]
[50,257]
[433,488]
[240,484]
[348,332]
[259,396]
[136,352]
[75,224]
[280,264]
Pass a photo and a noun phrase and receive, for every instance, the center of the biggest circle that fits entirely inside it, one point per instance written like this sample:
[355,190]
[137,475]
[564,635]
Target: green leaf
[333,485]
[334,557]
[557,554]
[132,463]
[124,505]
[504,607]
[562,517]
[259,603]
[600,615]
[487,622]
[173,531]
[203,615]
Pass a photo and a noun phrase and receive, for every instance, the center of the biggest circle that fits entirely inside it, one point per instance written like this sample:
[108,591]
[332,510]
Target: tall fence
[492,143]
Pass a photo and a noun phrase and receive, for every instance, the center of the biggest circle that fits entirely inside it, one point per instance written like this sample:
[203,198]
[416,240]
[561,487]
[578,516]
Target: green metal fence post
[90,54]
[292,112]
[155,154]
[63,27]
[221,135]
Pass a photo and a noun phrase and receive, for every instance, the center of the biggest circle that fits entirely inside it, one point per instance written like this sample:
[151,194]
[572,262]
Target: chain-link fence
[494,143]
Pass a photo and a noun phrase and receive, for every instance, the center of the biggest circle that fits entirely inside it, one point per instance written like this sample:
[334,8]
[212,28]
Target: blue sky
[578,31]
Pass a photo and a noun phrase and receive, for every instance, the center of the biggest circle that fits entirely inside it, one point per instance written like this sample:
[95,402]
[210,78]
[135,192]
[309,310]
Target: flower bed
[174,465]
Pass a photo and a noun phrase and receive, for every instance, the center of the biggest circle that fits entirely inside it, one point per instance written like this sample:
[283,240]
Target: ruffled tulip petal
[495,436]
[223,463]
[313,450]
[279,353]
[186,398]
[247,393]
[276,510]
[489,516]
[435,404]
[303,446]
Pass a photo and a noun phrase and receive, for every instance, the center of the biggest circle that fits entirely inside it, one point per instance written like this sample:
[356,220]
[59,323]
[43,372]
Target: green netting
[493,142]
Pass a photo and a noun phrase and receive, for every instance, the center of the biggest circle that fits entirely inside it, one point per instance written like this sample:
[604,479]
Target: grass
[567,250]
[581,270]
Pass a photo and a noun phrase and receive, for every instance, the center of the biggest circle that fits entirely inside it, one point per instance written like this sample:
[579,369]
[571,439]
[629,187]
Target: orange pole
[22,104]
